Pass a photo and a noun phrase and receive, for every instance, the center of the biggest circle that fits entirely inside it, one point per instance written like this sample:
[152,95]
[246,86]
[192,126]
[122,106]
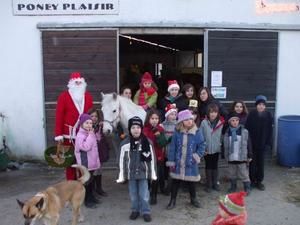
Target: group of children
[166,150]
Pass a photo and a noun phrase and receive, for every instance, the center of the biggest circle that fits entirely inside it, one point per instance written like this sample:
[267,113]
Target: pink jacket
[86,150]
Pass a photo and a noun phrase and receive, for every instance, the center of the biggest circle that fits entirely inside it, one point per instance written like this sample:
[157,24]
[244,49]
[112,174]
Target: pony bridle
[111,123]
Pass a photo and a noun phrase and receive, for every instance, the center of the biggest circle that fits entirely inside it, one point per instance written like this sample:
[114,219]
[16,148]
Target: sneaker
[134,215]
[261,186]
[147,217]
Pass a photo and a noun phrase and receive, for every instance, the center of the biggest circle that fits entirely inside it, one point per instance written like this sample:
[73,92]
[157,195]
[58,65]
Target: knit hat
[135,121]
[233,115]
[184,115]
[76,76]
[260,99]
[169,109]
[193,103]
[147,77]
[172,84]
[233,203]
[84,117]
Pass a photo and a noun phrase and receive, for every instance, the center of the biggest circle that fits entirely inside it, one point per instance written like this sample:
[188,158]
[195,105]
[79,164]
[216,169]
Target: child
[169,126]
[237,148]
[126,92]
[232,210]
[259,125]
[211,128]
[86,153]
[103,149]
[205,99]
[173,97]
[187,147]
[146,96]
[155,133]
[241,109]
[137,164]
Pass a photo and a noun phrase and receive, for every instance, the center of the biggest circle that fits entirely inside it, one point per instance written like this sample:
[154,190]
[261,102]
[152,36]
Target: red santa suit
[67,117]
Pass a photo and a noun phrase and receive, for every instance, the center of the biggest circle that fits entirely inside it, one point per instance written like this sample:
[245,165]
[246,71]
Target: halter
[112,122]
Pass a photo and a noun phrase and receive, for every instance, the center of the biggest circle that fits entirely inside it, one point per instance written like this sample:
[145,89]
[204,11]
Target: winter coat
[149,132]
[132,167]
[231,220]
[202,108]
[86,150]
[67,113]
[242,148]
[103,146]
[212,136]
[179,101]
[184,155]
[150,100]
[260,129]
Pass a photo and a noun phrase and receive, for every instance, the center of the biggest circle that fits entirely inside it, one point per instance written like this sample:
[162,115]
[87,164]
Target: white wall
[21,78]
[288,81]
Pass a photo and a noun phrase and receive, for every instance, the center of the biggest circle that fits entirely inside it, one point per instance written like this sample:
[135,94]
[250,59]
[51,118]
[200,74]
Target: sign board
[216,78]
[219,92]
[64,7]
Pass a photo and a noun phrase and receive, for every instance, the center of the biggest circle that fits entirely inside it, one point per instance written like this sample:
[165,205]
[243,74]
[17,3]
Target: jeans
[139,196]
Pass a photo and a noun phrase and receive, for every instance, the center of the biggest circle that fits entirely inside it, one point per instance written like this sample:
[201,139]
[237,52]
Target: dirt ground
[278,205]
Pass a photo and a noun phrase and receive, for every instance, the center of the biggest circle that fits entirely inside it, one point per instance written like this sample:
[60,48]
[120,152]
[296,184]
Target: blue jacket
[184,155]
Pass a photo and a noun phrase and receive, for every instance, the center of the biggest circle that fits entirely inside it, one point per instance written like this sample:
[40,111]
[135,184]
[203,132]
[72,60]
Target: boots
[215,184]
[233,186]
[174,191]
[171,204]
[192,190]
[153,193]
[247,187]
[208,185]
[89,200]
[98,186]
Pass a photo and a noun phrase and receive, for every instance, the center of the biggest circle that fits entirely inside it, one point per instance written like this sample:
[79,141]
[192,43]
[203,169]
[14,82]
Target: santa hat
[184,115]
[84,117]
[233,204]
[172,84]
[147,77]
[76,76]
[169,109]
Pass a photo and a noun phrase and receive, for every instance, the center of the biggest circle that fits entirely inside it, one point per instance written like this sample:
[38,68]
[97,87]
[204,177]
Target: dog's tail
[85,174]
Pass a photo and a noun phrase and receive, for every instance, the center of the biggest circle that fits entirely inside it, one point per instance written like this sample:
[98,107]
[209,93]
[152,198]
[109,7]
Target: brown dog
[47,204]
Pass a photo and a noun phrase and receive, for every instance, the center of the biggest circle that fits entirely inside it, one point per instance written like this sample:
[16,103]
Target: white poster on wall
[216,78]
[64,7]
[219,92]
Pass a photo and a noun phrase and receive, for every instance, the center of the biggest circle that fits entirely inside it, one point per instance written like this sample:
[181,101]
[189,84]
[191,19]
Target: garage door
[94,53]
[248,61]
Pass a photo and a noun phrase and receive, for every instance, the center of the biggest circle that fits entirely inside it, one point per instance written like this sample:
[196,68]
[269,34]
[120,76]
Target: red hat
[75,76]
[147,77]
[172,84]
[233,204]
[169,109]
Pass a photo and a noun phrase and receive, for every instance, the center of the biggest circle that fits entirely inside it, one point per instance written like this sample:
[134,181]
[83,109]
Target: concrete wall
[21,89]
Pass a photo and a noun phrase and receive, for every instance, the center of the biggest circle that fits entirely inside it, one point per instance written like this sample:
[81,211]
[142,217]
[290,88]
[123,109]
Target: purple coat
[86,150]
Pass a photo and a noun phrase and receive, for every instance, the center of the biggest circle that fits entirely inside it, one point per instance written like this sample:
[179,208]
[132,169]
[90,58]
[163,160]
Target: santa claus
[70,105]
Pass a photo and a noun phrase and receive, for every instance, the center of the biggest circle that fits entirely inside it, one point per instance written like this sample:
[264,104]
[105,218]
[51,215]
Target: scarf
[233,137]
[149,91]
[135,144]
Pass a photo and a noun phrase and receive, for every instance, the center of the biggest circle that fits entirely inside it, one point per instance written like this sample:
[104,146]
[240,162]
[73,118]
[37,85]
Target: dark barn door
[94,53]
[248,61]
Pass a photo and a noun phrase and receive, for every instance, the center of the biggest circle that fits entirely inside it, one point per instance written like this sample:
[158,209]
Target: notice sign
[65,7]
[216,78]
[219,92]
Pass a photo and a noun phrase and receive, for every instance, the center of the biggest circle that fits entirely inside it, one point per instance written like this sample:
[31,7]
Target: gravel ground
[278,205]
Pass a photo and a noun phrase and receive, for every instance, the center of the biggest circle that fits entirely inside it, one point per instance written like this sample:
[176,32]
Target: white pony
[115,109]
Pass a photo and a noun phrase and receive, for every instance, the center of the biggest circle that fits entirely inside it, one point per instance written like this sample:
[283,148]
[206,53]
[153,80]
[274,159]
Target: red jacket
[149,132]
[67,113]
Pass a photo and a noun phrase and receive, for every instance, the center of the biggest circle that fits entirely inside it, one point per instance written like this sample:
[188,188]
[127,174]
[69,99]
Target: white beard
[77,92]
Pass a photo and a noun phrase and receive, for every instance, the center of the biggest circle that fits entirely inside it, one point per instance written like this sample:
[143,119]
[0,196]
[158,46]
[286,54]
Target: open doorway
[166,57]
